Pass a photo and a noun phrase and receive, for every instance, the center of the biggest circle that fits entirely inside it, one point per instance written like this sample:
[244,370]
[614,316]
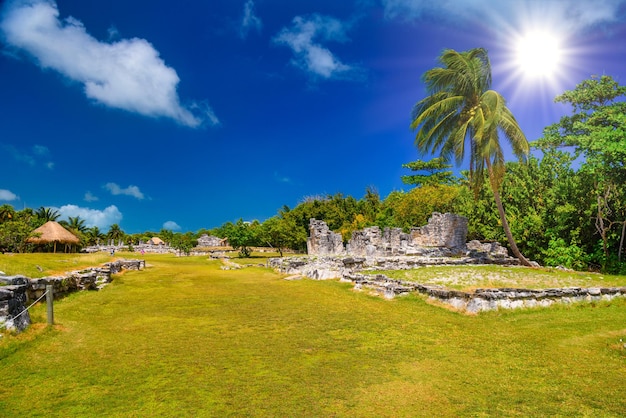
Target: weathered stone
[443,230]
[483,299]
[13,314]
[20,289]
[211,241]
[491,249]
[323,241]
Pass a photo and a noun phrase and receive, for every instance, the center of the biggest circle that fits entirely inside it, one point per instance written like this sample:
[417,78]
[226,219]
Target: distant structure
[211,241]
[446,231]
[155,241]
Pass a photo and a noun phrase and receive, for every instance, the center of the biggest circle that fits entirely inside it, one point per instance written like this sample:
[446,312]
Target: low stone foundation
[485,299]
[321,268]
[20,290]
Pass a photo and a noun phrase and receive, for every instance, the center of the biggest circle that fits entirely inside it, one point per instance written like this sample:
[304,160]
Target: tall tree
[76,224]
[47,214]
[115,233]
[462,112]
[94,235]
[596,131]
[436,169]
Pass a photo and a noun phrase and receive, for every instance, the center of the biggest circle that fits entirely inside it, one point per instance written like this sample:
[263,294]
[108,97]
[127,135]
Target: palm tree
[94,235]
[115,233]
[77,224]
[462,111]
[47,214]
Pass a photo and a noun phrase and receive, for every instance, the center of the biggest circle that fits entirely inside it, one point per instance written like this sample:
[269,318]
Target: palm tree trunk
[505,224]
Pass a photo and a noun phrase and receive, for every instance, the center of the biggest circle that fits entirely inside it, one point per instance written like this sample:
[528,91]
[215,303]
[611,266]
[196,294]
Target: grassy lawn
[47,264]
[473,277]
[185,338]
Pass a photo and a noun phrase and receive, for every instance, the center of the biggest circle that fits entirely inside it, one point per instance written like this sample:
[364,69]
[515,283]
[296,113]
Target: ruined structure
[323,241]
[211,241]
[446,231]
[443,230]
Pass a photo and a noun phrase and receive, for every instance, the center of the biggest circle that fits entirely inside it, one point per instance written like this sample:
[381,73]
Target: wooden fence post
[49,299]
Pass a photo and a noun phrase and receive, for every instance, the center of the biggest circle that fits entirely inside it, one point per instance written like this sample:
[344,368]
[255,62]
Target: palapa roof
[156,241]
[53,232]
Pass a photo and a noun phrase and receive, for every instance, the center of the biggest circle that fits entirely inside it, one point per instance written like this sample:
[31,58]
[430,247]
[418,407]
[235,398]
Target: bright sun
[538,55]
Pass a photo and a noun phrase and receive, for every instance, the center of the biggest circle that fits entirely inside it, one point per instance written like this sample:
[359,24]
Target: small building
[211,241]
[155,241]
[52,233]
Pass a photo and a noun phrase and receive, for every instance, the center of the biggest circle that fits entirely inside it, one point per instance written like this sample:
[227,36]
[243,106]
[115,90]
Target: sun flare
[538,54]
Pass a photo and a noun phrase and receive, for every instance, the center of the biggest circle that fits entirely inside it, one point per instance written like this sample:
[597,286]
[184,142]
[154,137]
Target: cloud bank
[571,15]
[305,37]
[93,217]
[7,195]
[171,226]
[131,190]
[127,74]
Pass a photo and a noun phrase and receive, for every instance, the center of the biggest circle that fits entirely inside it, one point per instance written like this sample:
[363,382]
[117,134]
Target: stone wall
[335,267]
[322,241]
[482,300]
[443,231]
[211,241]
[20,290]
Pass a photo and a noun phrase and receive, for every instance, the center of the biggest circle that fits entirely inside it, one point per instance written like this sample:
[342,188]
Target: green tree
[166,235]
[461,108]
[115,233]
[242,236]
[414,208]
[282,233]
[596,131]
[13,236]
[183,242]
[94,235]
[436,169]
[6,213]
[47,214]
[75,224]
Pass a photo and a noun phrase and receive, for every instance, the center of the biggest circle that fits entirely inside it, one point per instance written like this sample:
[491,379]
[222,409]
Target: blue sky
[183,116]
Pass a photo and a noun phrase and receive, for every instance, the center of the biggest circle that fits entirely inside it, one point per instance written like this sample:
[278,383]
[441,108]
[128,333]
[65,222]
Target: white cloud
[304,37]
[7,195]
[249,21]
[89,197]
[171,226]
[127,74]
[131,190]
[93,217]
[571,15]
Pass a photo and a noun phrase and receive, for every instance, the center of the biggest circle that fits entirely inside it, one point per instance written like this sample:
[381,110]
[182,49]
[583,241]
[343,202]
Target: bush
[559,253]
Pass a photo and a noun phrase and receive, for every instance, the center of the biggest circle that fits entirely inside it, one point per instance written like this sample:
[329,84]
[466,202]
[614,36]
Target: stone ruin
[17,291]
[211,241]
[446,231]
[323,241]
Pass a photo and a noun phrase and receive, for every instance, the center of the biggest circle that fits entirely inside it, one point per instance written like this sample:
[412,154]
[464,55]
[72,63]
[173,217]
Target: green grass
[50,263]
[472,277]
[184,338]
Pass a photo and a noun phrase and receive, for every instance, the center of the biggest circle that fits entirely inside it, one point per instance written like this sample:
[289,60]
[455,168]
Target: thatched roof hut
[156,241]
[53,232]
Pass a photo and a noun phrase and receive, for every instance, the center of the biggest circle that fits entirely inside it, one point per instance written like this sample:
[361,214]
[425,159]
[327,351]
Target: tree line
[562,203]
